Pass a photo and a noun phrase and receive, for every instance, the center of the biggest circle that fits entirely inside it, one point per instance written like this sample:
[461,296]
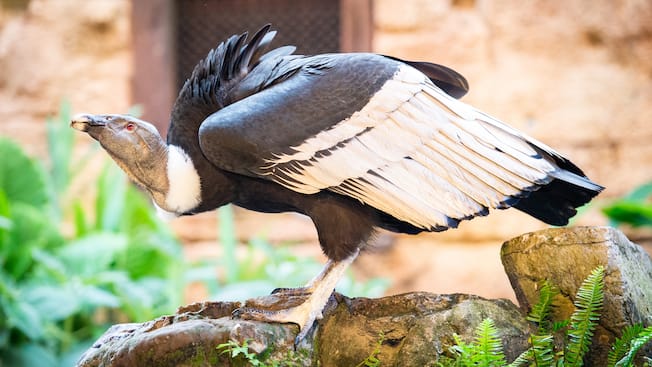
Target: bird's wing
[215,81]
[397,143]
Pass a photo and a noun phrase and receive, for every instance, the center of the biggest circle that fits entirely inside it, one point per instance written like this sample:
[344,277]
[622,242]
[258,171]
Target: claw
[293,292]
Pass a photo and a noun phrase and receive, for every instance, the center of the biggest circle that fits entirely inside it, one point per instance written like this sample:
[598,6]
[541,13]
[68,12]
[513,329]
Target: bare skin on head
[138,148]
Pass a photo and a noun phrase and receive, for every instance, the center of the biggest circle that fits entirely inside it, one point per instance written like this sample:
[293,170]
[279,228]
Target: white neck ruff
[184,192]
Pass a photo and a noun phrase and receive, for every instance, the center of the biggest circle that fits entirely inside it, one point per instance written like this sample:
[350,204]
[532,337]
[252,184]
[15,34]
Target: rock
[188,338]
[412,329]
[566,256]
[417,329]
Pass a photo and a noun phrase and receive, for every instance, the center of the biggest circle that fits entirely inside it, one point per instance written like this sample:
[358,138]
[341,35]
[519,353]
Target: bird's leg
[307,289]
[315,294]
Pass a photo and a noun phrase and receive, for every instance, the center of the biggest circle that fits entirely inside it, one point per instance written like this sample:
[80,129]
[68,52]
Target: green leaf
[634,209]
[644,337]
[588,303]
[641,193]
[30,354]
[5,223]
[487,345]
[110,202]
[540,312]
[32,230]
[229,242]
[543,350]
[79,219]
[23,316]
[636,214]
[60,144]
[92,296]
[621,346]
[92,254]
[52,302]
[21,178]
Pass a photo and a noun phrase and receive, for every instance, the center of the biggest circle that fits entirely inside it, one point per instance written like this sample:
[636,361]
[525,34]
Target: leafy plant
[372,359]
[485,350]
[577,332]
[634,209]
[235,350]
[59,291]
[240,353]
[588,304]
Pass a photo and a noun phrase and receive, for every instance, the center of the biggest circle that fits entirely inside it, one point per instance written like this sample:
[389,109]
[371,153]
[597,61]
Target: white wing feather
[417,154]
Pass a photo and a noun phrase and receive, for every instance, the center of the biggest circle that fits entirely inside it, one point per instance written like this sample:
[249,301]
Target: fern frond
[541,310]
[588,303]
[543,350]
[488,348]
[620,347]
[462,352]
[559,325]
[644,337]
[523,359]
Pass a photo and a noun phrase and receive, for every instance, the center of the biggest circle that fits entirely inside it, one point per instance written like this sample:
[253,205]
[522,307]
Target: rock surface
[417,329]
[565,257]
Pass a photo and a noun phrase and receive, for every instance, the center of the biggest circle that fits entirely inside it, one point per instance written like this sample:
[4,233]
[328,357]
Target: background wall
[574,74]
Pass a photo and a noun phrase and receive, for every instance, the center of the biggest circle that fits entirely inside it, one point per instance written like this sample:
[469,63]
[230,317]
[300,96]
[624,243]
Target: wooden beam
[356,25]
[153,84]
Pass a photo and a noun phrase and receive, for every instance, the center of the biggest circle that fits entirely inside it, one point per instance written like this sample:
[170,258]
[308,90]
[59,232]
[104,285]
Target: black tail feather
[556,202]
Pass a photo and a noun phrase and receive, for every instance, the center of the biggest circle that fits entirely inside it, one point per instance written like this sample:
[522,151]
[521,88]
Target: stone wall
[574,74]
[51,51]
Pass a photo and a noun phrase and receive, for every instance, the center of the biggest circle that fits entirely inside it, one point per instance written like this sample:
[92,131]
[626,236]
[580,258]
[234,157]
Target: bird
[355,141]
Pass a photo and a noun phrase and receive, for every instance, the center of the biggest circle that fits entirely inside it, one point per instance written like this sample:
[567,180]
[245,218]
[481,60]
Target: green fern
[522,360]
[588,304]
[490,347]
[642,338]
[543,350]
[540,312]
[621,346]
[486,349]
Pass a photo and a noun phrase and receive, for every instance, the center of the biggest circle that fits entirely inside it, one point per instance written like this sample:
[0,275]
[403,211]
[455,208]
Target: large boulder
[565,257]
[417,329]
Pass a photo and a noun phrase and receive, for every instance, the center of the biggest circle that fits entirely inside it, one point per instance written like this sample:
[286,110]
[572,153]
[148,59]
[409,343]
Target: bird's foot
[300,308]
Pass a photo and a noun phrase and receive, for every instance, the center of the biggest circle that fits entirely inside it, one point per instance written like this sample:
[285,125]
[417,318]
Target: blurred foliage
[634,209]
[58,292]
[116,262]
[264,267]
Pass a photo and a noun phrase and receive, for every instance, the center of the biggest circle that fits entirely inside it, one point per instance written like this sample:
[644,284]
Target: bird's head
[135,145]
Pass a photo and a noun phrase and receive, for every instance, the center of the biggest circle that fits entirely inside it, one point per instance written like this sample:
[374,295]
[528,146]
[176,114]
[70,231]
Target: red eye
[130,127]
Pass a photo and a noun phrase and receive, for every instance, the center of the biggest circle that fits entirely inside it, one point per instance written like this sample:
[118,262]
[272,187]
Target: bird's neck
[182,190]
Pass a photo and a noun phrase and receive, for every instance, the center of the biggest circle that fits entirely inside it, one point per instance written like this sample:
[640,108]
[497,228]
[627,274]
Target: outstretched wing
[378,130]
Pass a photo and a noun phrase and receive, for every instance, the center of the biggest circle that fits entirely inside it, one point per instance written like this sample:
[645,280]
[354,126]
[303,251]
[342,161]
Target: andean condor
[355,141]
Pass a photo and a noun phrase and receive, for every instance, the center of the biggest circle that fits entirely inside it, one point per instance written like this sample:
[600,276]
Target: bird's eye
[130,127]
